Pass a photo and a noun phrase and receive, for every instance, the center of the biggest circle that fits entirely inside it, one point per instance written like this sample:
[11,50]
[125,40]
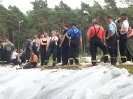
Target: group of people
[110,41]
[62,48]
[65,48]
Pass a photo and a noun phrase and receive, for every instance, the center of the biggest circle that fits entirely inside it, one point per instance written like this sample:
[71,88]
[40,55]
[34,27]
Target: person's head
[57,33]
[27,38]
[123,16]
[32,53]
[94,22]
[109,18]
[73,25]
[53,33]
[65,27]
[15,50]
[42,35]
[7,39]
[45,34]
[35,36]
[21,51]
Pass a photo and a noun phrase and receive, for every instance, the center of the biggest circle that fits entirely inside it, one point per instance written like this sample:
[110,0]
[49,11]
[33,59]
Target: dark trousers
[28,55]
[58,54]
[94,43]
[43,55]
[30,65]
[128,55]
[112,48]
[23,58]
[54,55]
[15,62]
[65,53]
[123,39]
[8,56]
[74,53]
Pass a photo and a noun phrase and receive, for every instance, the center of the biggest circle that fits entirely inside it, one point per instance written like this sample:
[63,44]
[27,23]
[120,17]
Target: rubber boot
[71,62]
[76,61]
[54,64]
[106,59]
[123,60]
[46,63]
[94,64]
[113,61]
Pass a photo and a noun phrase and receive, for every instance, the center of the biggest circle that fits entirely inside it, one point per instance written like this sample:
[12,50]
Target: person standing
[129,44]
[58,46]
[75,35]
[43,47]
[8,48]
[112,39]
[36,45]
[96,34]
[123,36]
[28,48]
[1,51]
[65,46]
[52,48]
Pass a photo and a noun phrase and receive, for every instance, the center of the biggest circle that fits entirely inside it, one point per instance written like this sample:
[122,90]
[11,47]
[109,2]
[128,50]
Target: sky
[24,5]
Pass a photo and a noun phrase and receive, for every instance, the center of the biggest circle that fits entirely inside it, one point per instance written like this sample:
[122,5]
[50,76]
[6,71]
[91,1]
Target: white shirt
[125,24]
[14,55]
[35,41]
[53,38]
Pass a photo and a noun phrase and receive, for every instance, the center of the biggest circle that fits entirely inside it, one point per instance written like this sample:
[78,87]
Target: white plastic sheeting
[101,82]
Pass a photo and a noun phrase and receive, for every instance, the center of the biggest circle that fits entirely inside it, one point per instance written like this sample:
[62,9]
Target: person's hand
[105,44]
[128,36]
[80,46]
[107,38]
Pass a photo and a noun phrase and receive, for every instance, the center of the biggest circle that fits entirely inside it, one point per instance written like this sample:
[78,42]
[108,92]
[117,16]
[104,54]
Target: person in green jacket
[8,48]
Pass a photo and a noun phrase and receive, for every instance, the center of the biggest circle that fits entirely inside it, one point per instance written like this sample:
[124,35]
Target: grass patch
[128,67]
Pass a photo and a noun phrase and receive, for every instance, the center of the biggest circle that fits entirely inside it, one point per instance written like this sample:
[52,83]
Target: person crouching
[52,48]
[14,57]
[32,62]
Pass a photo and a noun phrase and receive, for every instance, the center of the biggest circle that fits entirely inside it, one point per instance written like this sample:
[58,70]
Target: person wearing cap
[36,45]
[28,48]
[58,46]
[52,48]
[96,35]
[75,35]
[32,62]
[123,36]
[112,39]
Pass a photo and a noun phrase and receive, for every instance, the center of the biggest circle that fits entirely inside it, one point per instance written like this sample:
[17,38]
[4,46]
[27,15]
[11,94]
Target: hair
[53,32]
[73,24]
[94,21]
[110,17]
[66,25]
